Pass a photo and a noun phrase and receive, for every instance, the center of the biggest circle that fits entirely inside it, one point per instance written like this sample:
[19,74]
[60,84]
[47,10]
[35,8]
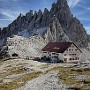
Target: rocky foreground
[20,74]
[49,81]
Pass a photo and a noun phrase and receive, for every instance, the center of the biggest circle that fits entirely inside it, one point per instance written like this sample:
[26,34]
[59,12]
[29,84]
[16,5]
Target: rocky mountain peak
[46,11]
[30,13]
[35,15]
[62,2]
[40,13]
[21,15]
[56,32]
[58,18]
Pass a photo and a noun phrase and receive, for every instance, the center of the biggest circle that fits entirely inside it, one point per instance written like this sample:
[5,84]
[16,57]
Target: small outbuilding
[62,51]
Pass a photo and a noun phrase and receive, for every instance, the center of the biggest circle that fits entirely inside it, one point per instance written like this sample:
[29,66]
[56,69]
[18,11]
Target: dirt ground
[20,74]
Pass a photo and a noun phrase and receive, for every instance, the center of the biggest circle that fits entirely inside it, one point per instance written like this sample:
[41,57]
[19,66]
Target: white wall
[44,53]
[61,56]
[72,50]
[51,55]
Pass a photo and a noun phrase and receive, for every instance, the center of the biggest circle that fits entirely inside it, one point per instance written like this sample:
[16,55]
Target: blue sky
[10,9]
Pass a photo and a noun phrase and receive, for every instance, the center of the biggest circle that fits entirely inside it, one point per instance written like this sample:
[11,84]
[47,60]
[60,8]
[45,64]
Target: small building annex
[62,51]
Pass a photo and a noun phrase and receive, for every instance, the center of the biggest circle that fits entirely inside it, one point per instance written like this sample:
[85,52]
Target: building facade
[62,51]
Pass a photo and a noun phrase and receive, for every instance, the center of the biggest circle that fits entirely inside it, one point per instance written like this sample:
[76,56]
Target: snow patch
[26,33]
[23,33]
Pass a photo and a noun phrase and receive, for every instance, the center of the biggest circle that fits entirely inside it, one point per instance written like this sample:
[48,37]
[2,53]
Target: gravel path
[47,81]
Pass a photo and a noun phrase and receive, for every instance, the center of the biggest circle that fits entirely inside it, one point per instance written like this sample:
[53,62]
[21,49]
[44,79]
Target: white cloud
[88,29]
[10,15]
[6,19]
[86,8]
[85,19]
[73,3]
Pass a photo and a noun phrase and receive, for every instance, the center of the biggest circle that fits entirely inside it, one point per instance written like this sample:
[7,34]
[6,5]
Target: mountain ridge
[71,26]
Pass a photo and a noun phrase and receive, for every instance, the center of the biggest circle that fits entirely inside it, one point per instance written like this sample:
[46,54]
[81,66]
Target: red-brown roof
[58,47]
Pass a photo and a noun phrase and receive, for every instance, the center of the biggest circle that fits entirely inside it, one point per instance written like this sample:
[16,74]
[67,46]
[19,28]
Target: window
[65,59]
[71,58]
[76,49]
[66,49]
[53,53]
[72,46]
[44,52]
[57,54]
[72,54]
[65,54]
[76,58]
[69,49]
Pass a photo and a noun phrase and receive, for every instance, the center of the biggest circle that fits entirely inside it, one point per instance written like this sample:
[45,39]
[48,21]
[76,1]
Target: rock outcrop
[55,31]
[25,47]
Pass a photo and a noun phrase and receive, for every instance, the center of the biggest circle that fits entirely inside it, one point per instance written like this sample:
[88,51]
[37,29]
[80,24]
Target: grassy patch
[20,82]
[16,82]
[74,88]
[53,69]
[68,75]
[12,70]
[44,66]
[4,59]
[86,81]
[16,70]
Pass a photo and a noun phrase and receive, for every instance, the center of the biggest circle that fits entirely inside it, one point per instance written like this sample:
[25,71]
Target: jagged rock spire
[39,13]
[29,14]
[21,15]
[62,1]
[55,18]
[46,11]
[55,31]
